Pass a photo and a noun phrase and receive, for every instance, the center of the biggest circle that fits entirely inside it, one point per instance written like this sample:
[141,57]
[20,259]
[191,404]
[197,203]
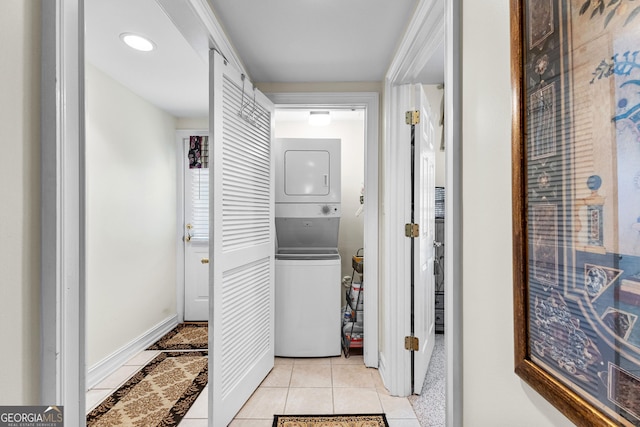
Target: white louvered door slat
[242,242]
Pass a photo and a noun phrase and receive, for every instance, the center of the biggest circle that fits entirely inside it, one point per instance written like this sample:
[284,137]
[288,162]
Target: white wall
[130,214]
[492,394]
[351,133]
[20,196]
[188,123]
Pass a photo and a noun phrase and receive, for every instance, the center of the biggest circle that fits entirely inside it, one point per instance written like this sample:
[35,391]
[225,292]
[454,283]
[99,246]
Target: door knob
[205,260]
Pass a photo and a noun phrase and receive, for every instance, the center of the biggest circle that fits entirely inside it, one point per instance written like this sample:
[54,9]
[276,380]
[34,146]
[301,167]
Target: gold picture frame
[575,69]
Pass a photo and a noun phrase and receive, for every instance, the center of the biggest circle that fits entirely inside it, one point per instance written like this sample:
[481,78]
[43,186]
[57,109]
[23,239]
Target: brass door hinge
[411,343]
[412,117]
[412,230]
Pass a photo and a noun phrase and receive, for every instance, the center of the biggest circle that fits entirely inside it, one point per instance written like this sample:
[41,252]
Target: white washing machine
[307,265]
[307,304]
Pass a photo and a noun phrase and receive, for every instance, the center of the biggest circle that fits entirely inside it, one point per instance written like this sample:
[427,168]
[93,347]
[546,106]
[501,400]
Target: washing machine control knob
[326,209]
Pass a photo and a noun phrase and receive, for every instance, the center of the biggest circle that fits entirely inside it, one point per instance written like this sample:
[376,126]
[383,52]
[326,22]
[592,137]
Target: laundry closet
[307,261]
[319,176]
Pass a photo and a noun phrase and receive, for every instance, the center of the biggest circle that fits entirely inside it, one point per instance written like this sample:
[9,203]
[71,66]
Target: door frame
[62,202]
[432,21]
[180,206]
[453,207]
[62,268]
[369,101]
[424,35]
[62,126]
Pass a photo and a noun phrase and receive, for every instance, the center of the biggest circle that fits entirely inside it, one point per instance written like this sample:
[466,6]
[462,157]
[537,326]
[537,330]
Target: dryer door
[307,170]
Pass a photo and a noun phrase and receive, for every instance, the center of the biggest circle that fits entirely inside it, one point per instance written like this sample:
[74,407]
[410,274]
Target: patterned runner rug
[160,394]
[364,420]
[185,336]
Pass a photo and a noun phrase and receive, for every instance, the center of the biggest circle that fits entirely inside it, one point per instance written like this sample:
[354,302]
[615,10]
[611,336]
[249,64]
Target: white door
[241,278]
[196,231]
[424,254]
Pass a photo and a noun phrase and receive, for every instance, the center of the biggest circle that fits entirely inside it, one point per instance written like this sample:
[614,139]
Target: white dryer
[307,265]
[307,170]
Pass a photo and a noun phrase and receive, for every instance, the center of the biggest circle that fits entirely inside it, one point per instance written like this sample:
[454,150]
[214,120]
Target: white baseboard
[115,360]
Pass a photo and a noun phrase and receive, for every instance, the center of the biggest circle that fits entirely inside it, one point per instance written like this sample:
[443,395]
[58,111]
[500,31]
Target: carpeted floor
[160,394]
[429,406]
[353,420]
[185,336]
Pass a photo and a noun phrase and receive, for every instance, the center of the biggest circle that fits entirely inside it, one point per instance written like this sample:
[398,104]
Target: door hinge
[411,343]
[412,117]
[412,230]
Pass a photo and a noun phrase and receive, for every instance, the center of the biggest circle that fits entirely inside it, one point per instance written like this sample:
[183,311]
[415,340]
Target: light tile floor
[295,386]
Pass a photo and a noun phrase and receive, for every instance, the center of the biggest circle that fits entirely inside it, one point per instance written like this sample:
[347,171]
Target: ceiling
[284,41]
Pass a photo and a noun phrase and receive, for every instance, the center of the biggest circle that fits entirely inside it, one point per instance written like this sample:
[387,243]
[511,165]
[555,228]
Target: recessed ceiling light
[137,42]
[319,118]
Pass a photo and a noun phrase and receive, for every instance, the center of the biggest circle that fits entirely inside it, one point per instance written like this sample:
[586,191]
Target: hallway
[295,386]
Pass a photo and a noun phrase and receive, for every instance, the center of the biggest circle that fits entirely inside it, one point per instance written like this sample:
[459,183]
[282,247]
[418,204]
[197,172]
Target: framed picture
[576,203]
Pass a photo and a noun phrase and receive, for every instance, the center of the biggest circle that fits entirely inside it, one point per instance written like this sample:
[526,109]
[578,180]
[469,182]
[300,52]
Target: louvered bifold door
[242,240]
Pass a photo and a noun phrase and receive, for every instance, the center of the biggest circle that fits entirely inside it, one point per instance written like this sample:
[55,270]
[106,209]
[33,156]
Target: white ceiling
[315,40]
[277,41]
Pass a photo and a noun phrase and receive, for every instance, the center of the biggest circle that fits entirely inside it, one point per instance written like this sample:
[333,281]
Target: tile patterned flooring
[295,386]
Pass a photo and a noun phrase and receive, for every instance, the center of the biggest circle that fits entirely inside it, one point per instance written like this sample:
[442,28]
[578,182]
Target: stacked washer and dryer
[307,262]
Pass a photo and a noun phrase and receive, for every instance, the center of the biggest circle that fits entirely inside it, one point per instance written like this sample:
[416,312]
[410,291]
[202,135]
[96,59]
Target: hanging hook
[249,117]
[242,104]
[255,117]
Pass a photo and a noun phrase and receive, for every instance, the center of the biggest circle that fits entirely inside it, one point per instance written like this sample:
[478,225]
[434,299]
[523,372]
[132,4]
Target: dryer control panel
[308,210]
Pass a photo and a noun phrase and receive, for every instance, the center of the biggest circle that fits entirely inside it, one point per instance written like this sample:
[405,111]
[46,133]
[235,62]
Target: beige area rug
[185,336]
[159,395]
[360,420]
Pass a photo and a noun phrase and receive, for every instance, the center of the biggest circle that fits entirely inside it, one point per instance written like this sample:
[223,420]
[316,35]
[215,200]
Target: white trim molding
[432,21]
[370,102]
[424,35]
[180,222]
[453,208]
[181,155]
[62,282]
[396,292]
[115,360]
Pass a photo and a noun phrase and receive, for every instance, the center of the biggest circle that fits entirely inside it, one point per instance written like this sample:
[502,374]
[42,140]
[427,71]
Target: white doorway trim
[181,154]
[180,201]
[395,360]
[432,21]
[62,322]
[368,101]
[62,268]
[424,35]
[453,209]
